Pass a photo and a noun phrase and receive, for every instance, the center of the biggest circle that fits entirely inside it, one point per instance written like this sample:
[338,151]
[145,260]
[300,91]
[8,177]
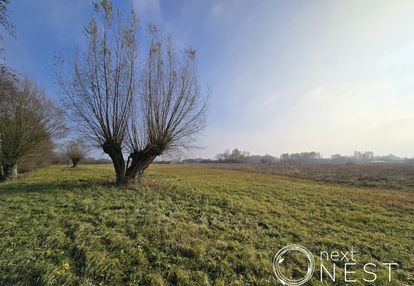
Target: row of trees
[300,157]
[357,157]
[234,156]
[238,156]
[363,157]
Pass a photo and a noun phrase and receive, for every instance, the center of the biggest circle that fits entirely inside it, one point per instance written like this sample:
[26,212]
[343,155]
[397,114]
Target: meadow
[398,176]
[193,225]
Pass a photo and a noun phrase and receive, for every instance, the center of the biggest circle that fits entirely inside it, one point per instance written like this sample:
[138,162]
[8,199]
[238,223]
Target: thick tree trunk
[9,172]
[75,163]
[132,173]
[115,153]
[140,162]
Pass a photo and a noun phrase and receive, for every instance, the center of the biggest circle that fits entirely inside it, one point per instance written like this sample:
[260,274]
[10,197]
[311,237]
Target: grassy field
[397,176]
[192,225]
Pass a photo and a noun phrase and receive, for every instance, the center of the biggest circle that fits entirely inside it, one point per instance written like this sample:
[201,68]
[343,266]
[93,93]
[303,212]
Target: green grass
[191,225]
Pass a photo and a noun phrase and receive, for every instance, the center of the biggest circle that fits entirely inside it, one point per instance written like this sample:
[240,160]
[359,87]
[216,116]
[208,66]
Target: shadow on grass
[19,187]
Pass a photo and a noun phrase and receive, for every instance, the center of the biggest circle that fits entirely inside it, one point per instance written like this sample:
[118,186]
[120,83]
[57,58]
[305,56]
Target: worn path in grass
[192,225]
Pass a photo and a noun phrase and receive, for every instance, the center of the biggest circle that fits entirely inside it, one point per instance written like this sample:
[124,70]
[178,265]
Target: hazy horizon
[284,76]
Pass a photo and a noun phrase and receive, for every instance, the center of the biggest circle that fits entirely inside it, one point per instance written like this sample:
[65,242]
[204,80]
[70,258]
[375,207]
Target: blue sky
[284,76]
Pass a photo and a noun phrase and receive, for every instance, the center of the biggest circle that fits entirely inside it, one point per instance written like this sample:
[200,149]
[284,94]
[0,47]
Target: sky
[282,76]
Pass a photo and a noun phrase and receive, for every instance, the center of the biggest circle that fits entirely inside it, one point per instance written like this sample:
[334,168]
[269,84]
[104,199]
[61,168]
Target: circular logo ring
[279,258]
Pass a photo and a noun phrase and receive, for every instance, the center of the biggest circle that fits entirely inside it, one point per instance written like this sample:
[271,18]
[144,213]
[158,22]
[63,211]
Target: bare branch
[163,113]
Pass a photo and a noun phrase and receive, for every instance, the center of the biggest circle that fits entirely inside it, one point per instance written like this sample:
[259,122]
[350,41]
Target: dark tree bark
[140,161]
[114,151]
[75,162]
[8,172]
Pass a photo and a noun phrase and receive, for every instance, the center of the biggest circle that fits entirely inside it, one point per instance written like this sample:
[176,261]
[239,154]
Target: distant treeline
[235,156]
[238,156]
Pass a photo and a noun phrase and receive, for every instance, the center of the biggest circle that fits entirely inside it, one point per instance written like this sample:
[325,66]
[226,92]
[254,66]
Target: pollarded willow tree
[134,110]
[75,151]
